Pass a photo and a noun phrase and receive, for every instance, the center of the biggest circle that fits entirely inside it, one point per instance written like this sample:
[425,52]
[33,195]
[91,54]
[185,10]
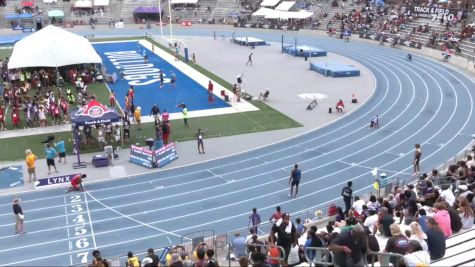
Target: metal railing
[385,259]
[261,248]
[319,256]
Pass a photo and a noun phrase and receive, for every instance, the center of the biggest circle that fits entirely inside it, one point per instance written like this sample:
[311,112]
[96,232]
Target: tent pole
[57,77]
[122,134]
[160,17]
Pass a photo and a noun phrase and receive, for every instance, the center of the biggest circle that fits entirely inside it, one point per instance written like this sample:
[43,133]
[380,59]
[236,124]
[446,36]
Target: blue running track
[422,102]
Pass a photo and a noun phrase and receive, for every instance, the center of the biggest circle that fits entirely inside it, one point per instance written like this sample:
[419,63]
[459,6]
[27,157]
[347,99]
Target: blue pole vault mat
[304,51]
[248,41]
[129,58]
[334,69]
[11,177]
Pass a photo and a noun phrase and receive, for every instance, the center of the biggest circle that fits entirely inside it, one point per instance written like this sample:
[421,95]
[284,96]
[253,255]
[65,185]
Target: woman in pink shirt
[442,217]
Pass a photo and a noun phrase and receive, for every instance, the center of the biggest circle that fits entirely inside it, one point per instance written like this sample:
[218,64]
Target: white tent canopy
[101,2]
[263,11]
[271,3]
[285,5]
[279,14]
[83,4]
[184,1]
[52,47]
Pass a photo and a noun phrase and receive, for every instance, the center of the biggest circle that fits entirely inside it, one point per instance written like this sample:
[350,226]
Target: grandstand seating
[459,250]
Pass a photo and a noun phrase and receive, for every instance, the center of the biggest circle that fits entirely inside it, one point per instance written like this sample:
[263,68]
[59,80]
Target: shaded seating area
[82,8]
[146,13]
[56,17]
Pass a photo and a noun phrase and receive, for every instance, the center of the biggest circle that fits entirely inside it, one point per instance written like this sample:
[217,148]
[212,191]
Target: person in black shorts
[161,78]
[199,138]
[417,159]
[249,61]
[294,180]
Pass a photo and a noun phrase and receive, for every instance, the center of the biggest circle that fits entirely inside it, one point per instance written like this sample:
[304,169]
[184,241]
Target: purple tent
[147,10]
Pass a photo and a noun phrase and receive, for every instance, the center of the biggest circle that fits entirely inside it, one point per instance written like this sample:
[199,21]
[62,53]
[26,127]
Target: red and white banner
[186,23]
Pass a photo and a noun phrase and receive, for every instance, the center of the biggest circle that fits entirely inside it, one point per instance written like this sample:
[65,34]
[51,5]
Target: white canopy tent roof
[285,5]
[262,11]
[101,2]
[83,4]
[271,3]
[279,14]
[52,47]
[184,1]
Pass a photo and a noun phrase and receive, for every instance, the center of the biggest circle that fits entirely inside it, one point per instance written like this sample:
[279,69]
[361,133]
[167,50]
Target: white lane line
[216,175]
[90,221]
[132,219]
[67,229]
[354,164]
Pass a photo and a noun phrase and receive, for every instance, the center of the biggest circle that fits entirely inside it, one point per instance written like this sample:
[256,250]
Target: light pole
[170,22]
[160,17]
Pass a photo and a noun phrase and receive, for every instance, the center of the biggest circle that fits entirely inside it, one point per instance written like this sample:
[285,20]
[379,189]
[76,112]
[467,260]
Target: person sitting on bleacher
[435,239]
[416,256]
[384,222]
[397,243]
[466,214]
[447,194]
[442,218]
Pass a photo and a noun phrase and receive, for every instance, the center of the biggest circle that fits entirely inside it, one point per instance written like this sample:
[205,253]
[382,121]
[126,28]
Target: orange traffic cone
[353,99]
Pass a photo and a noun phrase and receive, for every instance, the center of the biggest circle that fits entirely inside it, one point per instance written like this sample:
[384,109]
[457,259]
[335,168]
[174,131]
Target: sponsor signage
[151,159]
[165,154]
[141,156]
[434,13]
[57,180]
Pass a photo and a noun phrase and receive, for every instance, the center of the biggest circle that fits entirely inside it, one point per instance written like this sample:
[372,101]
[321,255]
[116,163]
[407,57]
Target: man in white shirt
[447,195]
[372,221]
[358,204]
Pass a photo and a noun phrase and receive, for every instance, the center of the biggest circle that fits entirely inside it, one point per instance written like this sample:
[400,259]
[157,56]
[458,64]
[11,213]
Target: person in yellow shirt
[138,116]
[30,164]
[132,261]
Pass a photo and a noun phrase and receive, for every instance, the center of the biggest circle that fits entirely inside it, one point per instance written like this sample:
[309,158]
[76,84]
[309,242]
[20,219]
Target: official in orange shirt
[30,164]
[138,116]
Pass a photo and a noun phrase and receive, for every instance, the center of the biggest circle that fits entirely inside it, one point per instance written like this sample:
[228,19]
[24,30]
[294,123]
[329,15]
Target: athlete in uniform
[76,183]
[294,180]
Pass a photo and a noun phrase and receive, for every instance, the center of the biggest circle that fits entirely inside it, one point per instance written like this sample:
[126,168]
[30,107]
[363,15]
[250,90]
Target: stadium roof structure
[52,47]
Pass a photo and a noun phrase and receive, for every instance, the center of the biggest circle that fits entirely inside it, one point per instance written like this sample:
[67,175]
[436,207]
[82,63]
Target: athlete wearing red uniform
[76,183]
